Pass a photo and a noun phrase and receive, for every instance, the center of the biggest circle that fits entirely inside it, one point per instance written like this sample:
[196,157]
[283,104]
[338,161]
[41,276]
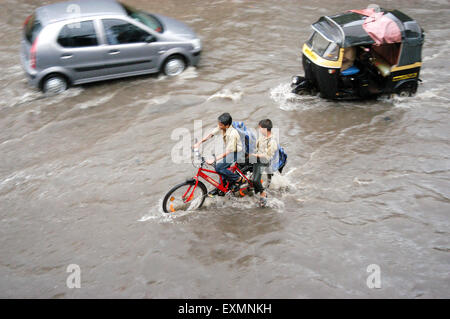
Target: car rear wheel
[54,84]
[174,66]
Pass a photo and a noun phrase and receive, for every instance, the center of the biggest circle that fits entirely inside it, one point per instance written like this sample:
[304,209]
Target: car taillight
[33,54]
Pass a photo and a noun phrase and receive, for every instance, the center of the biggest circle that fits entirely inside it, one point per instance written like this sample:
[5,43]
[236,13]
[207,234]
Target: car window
[79,34]
[32,28]
[143,17]
[121,32]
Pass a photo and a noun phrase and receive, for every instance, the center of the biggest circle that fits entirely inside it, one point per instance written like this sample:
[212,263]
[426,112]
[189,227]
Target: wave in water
[96,102]
[227,94]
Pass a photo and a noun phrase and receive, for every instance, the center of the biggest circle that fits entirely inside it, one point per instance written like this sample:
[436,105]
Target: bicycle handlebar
[202,159]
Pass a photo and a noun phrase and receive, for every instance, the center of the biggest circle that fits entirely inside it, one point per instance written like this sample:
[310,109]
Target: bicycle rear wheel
[184,197]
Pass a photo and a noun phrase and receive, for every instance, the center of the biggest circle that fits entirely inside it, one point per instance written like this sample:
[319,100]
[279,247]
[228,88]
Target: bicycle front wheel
[185,197]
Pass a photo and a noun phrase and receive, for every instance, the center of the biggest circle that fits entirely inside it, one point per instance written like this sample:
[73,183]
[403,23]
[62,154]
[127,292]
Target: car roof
[78,9]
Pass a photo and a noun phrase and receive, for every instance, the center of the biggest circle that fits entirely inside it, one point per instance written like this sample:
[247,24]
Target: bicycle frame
[203,173]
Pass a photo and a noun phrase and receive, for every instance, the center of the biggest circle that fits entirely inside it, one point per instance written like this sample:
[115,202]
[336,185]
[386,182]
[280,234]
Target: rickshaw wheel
[407,89]
[300,92]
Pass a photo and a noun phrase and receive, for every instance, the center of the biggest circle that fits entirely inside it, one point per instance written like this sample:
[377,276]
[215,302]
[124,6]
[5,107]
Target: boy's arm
[257,154]
[196,145]
[215,131]
[271,148]
[218,158]
[231,147]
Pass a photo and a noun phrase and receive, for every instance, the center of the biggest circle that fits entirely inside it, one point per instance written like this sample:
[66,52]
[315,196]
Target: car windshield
[144,18]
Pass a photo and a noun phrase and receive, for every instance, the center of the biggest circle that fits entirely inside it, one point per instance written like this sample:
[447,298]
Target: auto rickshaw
[361,54]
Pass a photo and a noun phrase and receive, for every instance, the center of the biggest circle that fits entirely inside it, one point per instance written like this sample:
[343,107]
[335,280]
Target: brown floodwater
[82,174]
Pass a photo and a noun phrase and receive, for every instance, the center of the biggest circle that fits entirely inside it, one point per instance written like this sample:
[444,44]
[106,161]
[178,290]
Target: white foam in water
[31,96]
[358,181]
[28,97]
[280,182]
[227,94]
[396,101]
[236,203]
[275,203]
[430,94]
[18,98]
[161,77]
[156,213]
[96,102]
[289,101]
[414,101]
[189,73]
[217,203]
[160,99]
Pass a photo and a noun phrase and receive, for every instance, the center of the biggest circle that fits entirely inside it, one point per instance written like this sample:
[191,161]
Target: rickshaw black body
[396,72]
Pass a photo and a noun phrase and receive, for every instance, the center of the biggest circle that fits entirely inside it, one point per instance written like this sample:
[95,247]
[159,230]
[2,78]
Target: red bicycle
[191,194]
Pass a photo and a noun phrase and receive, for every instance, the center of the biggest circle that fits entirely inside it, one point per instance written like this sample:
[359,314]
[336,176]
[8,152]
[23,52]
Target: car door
[130,49]
[80,52]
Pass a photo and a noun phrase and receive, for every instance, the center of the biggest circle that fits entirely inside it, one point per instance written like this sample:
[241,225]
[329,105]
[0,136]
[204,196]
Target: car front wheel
[174,66]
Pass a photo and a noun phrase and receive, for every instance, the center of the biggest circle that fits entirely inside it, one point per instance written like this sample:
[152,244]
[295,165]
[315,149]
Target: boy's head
[225,120]
[265,126]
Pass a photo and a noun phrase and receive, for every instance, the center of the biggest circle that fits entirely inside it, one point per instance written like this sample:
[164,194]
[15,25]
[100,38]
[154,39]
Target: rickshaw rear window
[412,30]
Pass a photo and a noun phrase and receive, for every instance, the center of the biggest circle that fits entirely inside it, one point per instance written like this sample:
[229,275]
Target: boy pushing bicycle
[266,146]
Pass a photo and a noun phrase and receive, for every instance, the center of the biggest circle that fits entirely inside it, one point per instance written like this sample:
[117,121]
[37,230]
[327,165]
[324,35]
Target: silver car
[80,41]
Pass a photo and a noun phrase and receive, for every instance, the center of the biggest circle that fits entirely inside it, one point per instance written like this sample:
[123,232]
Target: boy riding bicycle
[233,151]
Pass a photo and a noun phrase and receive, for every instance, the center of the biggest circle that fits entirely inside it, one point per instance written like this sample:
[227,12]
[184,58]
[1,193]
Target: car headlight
[196,44]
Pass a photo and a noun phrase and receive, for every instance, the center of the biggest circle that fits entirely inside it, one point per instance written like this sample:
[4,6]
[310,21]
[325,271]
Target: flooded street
[83,174]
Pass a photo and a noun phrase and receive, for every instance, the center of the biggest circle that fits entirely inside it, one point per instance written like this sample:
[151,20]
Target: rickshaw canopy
[366,27]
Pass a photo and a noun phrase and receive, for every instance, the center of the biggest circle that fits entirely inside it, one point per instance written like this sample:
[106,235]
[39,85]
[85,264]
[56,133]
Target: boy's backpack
[282,158]
[279,160]
[248,138]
